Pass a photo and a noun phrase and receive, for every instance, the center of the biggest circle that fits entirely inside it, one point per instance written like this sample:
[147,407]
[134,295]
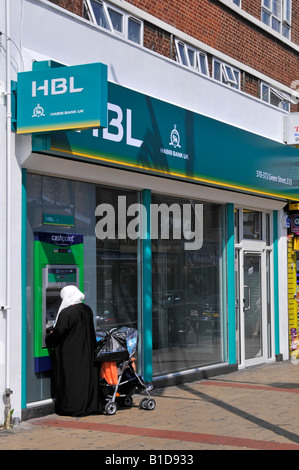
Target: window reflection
[252,225]
[188,296]
[116,270]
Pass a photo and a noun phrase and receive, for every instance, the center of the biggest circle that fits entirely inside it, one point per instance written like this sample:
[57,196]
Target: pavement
[250,409]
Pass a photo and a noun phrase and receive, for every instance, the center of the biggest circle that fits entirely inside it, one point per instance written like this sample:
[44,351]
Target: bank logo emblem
[38,111]
[175,138]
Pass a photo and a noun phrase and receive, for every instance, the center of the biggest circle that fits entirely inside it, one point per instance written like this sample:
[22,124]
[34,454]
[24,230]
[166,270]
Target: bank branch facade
[206,298]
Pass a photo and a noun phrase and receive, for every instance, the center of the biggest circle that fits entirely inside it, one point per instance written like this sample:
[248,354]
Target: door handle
[249,298]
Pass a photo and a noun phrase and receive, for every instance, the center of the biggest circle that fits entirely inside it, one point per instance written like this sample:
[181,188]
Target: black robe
[76,381]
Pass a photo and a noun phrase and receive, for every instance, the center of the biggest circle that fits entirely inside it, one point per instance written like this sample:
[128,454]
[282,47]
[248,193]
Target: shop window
[191,57]
[116,267]
[188,285]
[188,294]
[252,225]
[63,206]
[277,15]
[114,20]
[226,74]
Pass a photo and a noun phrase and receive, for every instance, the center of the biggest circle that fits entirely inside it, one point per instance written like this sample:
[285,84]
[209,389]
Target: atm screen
[62,275]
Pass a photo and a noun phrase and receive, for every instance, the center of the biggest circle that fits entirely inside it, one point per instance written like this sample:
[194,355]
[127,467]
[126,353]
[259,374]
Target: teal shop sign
[62,98]
[58,219]
[151,136]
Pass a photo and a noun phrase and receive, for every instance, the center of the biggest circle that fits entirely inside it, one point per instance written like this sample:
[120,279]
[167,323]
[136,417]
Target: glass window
[266,17]
[134,30]
[191,57]
[100,15]
[182,54]
[287,11]
[189,285]
[252,225]
[188,294]
[115,20]
[268,230]
[277,14]
[275,24]
[237,226]
[226,74]
[268,297]
[285,31]
[110,265]
[217,70]
[276,8]
[275,97]
[203,63]
[116,267]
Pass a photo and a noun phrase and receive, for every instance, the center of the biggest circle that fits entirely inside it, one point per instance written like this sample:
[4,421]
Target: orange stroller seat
[109,372]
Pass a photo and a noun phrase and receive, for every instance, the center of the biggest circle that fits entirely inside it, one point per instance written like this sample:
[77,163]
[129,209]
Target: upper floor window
[226,74]
[237,2]
[278,14]
[114,20]
[191,57]
[275,97]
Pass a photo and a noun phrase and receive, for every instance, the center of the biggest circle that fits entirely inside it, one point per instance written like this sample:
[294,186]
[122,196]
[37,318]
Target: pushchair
[118,378]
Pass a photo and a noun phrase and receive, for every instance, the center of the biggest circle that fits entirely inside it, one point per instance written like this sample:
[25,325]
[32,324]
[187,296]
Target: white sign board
[291,129]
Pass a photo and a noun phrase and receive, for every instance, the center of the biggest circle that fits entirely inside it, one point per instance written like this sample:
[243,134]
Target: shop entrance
[252,306]
[253,281]
[254,324]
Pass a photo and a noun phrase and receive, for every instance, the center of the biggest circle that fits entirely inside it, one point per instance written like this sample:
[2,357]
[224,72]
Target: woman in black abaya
[73,341]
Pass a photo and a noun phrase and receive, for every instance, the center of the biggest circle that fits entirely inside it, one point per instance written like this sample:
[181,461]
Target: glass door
[253,321]
[254,286]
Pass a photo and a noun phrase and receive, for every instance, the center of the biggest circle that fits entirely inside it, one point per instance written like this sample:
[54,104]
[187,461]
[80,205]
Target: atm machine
[58,262]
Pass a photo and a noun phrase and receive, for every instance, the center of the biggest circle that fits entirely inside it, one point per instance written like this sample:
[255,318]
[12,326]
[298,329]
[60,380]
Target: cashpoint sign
[62,98]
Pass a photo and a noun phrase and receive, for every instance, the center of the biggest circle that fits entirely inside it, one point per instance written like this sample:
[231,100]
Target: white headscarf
[70,295]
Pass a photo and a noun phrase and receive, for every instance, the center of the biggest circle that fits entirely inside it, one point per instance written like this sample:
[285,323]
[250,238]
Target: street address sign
[62,98]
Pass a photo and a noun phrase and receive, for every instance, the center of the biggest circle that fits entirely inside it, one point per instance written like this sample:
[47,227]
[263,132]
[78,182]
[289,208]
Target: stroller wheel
[110,408]
[127,401]
[151,404]
[147,404]
[143,404]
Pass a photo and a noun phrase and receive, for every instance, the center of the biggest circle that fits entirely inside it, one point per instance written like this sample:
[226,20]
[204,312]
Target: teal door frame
[231,309]
[147,291]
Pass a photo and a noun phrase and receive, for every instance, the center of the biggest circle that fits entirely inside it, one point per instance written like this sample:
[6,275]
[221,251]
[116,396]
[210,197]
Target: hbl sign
[62,98]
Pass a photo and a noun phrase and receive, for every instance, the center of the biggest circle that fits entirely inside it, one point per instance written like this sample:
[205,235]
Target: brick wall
[158,40]
[218,26]
[75,6]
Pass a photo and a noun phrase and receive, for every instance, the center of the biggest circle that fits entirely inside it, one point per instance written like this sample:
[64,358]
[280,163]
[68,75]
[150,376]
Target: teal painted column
[276,284]
[231,309]
[147,291]
[24,297]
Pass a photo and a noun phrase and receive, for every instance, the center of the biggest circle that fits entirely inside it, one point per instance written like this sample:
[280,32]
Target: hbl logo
[58,86]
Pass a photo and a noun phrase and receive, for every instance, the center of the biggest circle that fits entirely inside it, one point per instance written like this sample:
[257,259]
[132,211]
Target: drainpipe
[6,308]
